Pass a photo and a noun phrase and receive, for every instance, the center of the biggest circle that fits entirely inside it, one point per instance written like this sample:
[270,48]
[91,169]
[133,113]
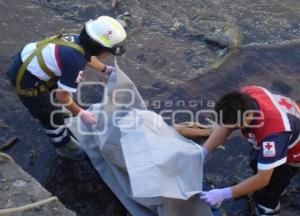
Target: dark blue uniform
[66,63]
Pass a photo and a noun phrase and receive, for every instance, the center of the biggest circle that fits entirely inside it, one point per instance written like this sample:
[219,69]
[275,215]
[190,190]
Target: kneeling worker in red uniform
[272,126]
[56,64]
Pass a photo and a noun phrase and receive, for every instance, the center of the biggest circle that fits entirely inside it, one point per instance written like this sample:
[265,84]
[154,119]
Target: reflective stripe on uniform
[60,138]
[265,211]
[55,131]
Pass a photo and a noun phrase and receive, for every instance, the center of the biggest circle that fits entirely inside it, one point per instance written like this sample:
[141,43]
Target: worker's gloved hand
[108,70]
[87,117]
[216,196]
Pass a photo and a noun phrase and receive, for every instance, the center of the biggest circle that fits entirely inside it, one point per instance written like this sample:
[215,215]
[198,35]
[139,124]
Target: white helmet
[108,32]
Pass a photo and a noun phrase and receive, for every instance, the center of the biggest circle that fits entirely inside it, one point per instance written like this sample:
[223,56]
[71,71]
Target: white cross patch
[269,149]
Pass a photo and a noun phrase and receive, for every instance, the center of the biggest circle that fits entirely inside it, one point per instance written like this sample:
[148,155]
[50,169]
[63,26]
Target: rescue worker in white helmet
[56,64]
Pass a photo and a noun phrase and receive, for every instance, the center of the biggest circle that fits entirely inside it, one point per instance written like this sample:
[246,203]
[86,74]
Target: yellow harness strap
[23,69]
[40,45]
[38,53]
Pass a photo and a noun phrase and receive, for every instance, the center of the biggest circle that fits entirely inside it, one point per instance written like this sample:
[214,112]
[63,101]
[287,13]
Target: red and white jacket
[281,115]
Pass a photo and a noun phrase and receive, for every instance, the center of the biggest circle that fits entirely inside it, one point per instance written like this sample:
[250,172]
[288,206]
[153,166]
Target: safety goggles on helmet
[118,49]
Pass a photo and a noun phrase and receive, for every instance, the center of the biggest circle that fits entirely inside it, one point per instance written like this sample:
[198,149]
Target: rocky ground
[18,190]
[177,50]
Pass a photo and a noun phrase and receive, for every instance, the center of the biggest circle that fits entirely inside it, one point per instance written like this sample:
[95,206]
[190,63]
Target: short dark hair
[231,104]
[91,46]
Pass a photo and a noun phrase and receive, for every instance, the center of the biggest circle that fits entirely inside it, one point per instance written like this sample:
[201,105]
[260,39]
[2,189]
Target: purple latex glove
[216,196]
[108,69]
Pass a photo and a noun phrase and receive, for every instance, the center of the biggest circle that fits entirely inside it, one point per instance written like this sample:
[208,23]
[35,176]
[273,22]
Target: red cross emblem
[286,104]
[269,146]
[109,33]
[269,149]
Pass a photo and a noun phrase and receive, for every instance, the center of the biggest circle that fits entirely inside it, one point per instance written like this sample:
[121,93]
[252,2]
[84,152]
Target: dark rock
[219,42]
[20,189]
[281,87]
[141,58]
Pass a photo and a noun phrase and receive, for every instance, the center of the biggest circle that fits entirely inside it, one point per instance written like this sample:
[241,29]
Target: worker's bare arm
[66,100]
[192,132]
[252,184]
[217,138]
[95,63]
